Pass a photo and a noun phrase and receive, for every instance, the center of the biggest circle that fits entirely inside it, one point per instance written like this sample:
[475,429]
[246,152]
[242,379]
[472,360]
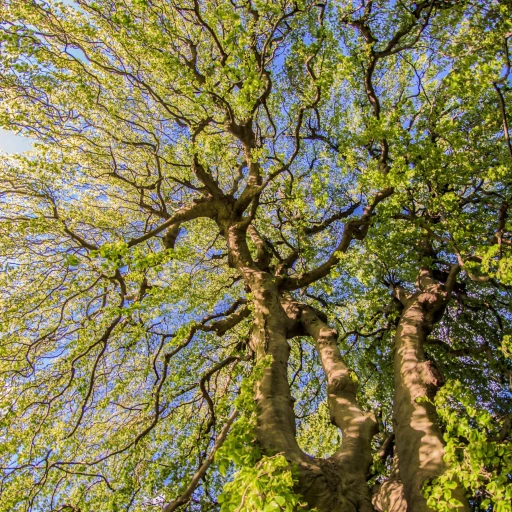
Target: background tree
[252,243]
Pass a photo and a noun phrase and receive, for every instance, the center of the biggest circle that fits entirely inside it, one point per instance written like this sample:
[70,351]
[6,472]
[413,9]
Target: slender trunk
[419,440]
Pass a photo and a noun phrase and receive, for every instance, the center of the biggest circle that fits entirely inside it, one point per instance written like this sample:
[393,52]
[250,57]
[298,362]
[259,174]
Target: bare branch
[187,494]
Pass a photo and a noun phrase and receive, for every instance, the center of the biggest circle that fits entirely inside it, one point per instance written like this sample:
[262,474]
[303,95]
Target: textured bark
[419,440]
[276,419]
[326,485]
[389,496]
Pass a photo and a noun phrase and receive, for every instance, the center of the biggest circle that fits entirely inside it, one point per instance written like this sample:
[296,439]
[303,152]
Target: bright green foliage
[116,371]
[258,482]
[317,435]
[265,485]
[478,456]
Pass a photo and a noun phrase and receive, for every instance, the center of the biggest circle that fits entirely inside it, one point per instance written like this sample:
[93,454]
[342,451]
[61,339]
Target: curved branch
[353,229]
[202,386]
[202,208]
[201,472]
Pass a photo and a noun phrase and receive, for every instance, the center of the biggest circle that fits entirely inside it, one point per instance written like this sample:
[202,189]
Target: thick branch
[264,253]
[202,208]
[358,427]
[419,440]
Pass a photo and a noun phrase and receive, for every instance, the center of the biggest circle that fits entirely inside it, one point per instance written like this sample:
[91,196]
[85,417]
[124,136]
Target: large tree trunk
[419,441]
[276,418]
[336,484]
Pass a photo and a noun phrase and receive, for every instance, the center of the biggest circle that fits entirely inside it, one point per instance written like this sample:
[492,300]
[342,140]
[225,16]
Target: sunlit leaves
[478,457]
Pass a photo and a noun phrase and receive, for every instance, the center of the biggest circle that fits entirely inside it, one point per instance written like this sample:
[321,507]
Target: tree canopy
[260,257]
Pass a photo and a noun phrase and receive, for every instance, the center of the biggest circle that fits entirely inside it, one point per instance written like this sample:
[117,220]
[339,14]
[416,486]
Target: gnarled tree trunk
[337,484]
[389,496]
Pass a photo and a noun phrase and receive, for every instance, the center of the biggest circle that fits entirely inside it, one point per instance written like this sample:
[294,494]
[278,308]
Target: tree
[260,258]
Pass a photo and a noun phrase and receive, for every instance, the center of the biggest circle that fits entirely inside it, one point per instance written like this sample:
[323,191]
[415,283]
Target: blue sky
[11,143]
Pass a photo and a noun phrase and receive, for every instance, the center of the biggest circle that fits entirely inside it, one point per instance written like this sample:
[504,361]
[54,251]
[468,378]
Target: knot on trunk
[343,384]
[171,235]
[433,304]
[320,314]
[432,377]
[325,486]
[327,337]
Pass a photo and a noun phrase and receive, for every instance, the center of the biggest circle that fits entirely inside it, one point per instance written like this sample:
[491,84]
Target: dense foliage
[260,257]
